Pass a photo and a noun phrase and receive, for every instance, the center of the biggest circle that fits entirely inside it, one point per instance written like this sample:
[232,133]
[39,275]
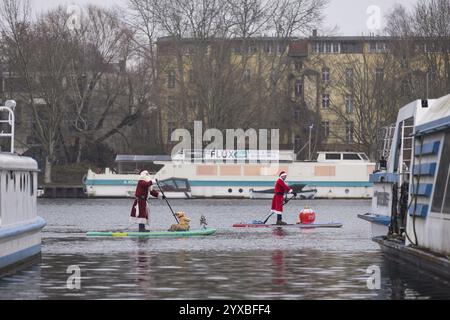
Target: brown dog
[183,222]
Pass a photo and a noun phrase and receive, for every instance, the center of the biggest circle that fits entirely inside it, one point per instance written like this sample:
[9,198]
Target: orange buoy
[307,216]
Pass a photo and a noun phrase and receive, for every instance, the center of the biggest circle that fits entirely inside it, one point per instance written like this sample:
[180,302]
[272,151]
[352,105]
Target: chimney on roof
[315,33]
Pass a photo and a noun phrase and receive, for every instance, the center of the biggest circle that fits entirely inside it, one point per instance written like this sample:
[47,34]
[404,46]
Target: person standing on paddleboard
[139,211]
[281,189]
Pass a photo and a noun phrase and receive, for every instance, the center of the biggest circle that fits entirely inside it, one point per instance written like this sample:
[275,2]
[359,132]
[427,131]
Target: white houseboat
[203,175]
[413,192]
[20,227]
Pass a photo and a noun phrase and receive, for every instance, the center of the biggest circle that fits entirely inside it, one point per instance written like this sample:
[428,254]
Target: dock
[56,191]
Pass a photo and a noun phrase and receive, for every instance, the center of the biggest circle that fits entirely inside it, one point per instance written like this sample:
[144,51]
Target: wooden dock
[56,191]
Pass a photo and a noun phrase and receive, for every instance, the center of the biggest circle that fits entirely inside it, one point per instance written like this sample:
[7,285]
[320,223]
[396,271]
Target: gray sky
[349,15]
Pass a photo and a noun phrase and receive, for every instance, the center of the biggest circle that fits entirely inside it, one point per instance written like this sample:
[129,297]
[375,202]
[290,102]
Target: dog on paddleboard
[183,222]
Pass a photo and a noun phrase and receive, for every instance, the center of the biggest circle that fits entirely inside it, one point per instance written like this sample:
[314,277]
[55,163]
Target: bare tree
[366,99]
[423,39]
[40,53]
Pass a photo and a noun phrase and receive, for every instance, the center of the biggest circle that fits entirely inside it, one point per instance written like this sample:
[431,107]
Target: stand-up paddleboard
[299,226]
[154,234]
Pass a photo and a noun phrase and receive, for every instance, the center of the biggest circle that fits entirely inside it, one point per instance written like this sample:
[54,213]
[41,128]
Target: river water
[232,264]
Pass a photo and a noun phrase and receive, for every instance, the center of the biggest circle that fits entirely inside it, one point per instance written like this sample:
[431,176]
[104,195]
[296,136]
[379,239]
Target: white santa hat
[283,174]
[145,176]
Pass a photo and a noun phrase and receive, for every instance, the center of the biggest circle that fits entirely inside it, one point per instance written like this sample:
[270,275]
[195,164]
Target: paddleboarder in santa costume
[139,212]
[281,189]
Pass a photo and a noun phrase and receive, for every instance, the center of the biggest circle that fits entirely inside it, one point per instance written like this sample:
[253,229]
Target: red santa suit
[281,189]
[139,211]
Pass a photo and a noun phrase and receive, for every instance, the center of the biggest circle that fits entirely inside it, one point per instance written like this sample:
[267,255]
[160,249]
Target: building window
[247,75]
[379,74]
[327,47]
[325,101]
[297,114]
[326,74]
[349,77]
[405,87]
[299,88]
[326,129]
[297,142]
[269,48]
[336,47]
[298,65]
[171,103]
[281,48]
[252,49]
[404,62]
[171,79]
[377,47]
[349,130]
[349,104]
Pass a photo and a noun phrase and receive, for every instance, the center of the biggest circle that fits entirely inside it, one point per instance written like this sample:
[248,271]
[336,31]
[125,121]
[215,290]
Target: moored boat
[413,191]
[20,226]
[343,175]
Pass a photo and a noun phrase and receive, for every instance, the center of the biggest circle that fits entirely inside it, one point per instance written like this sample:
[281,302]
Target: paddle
[286,200]
[167,201]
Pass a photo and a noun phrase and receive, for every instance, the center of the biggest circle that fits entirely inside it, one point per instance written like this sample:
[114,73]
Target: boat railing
[9,121]
[238,156]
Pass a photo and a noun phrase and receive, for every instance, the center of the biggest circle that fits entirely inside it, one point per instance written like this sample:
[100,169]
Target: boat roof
[142,158]
[436,119]
[9,161]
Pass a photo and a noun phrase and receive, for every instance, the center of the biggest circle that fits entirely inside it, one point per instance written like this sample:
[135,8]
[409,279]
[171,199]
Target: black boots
[280,221]
[142,228]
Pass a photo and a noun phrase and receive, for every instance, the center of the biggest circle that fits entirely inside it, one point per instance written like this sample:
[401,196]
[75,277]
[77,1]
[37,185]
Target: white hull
[20,227]
[20,243]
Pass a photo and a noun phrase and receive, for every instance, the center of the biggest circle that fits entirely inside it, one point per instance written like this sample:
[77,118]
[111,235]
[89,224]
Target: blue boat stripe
[424,190]
[15,231]
[431,148]
[421,210]
[224,183]
[427,169]
[18,256]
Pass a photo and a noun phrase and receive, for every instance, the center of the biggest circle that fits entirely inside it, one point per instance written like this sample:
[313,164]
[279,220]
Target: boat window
[363,156]
[333,156]
[31,184]
[441,198]
[351,156]
[182,184]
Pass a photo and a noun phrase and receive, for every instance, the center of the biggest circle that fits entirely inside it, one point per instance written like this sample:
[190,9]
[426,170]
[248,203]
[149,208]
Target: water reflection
[234,264]
[279,274]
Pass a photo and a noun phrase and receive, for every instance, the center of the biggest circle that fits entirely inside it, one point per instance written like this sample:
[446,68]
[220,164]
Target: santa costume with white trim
[281,189]
[139,211]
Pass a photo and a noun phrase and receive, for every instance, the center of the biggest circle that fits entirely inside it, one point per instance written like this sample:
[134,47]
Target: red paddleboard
[300,226]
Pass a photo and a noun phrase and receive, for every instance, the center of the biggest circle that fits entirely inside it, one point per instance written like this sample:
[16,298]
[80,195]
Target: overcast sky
[349,15]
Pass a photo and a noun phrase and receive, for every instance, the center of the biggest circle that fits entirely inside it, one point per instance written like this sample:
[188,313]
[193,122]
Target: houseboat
[412,193]
[20,227]
[202,174]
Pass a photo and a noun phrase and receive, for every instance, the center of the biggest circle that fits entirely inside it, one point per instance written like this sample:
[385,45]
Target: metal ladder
[406,151]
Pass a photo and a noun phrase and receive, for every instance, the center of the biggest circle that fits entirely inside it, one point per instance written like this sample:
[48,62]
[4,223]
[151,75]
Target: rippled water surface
[232,264]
